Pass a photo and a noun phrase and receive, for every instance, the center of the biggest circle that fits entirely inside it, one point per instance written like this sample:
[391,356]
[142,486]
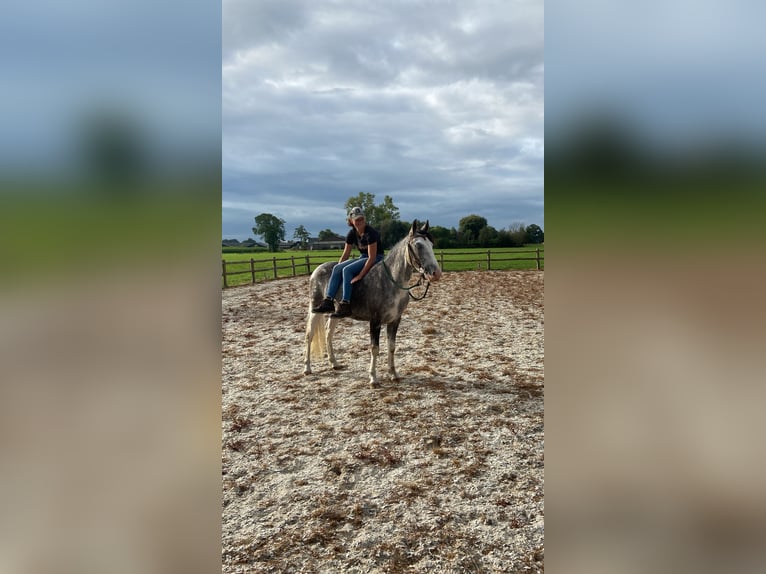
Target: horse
[380,298]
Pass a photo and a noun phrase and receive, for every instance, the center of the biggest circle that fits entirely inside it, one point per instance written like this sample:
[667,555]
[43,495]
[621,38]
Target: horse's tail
[315,329]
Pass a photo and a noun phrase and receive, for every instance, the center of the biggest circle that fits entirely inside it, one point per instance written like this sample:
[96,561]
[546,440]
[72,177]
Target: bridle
[412,259]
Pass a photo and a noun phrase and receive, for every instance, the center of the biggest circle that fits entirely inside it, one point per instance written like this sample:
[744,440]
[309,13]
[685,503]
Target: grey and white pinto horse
[380,298]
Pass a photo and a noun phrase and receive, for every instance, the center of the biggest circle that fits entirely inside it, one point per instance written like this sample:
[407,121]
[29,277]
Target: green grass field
[289,263]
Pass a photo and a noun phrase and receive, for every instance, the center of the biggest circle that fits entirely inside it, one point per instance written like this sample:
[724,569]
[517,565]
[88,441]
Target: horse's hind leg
[312,330]
[391,329]
[374,350]
[330,329]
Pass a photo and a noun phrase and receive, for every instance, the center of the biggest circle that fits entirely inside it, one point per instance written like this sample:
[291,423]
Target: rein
[417,265]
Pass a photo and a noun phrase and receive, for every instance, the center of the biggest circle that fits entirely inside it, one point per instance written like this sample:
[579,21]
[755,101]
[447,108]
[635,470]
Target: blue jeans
[345,272]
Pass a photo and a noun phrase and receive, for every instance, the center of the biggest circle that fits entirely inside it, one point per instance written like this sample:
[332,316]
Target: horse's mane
[398,246]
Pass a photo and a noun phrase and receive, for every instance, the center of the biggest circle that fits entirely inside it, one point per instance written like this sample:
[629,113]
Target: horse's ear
[414,227]
[424,229]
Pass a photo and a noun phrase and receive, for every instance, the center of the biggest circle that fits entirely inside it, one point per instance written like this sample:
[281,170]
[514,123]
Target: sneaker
[344,310]
[326,306]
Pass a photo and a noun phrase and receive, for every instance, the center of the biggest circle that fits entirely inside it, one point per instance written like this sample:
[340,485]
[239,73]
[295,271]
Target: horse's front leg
[391,336]
[374,350]
[330,330]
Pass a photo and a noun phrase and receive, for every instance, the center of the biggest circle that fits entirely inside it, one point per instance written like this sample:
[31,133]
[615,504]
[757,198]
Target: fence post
[308,265]
[441,259]
[489,259]
[292,259]
[274,261]
[538,259]
[223,266]
[252,270]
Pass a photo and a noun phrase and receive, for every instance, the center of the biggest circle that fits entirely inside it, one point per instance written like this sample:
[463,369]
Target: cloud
[413,100]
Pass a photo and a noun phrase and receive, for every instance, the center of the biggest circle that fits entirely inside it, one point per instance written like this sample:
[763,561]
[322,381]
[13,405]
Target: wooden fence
[265,269]
[538,258]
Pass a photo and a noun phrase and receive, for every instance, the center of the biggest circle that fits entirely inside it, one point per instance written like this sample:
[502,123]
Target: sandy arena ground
[440,472]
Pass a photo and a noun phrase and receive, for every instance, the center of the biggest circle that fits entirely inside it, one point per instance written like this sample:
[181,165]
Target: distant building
[336,242]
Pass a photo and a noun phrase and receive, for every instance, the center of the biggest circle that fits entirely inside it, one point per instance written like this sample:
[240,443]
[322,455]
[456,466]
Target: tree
[302,236]
[271,228]
[387,210]
[375,214]
[517,233]
[442,237]
[327,235]
[534,234]
[487,236]
[470,226]
[391,231]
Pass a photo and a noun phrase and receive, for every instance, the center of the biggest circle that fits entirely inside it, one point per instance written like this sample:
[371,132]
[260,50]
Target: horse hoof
[374,385]
[307,372]
[337,367]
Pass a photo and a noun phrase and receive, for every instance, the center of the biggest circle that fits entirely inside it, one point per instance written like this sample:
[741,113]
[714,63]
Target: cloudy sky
[438,104]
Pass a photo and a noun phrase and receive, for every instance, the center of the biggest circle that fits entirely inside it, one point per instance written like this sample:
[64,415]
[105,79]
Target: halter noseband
[412,257]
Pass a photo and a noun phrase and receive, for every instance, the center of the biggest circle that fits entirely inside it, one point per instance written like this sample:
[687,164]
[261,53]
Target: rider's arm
[346,253]
[372,252]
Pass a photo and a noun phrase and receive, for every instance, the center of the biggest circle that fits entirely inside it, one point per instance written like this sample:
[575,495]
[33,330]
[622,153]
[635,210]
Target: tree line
[472,231]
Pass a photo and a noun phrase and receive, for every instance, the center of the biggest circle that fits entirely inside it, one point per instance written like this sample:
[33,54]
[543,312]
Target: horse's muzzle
[435,276]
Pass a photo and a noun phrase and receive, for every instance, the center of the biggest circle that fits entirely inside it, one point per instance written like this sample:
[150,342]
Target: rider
[367,239]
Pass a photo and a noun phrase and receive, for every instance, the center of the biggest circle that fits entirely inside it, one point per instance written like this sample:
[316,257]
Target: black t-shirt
[369,237]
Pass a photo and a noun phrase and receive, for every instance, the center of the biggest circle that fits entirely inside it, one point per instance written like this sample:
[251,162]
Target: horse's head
[420,252]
